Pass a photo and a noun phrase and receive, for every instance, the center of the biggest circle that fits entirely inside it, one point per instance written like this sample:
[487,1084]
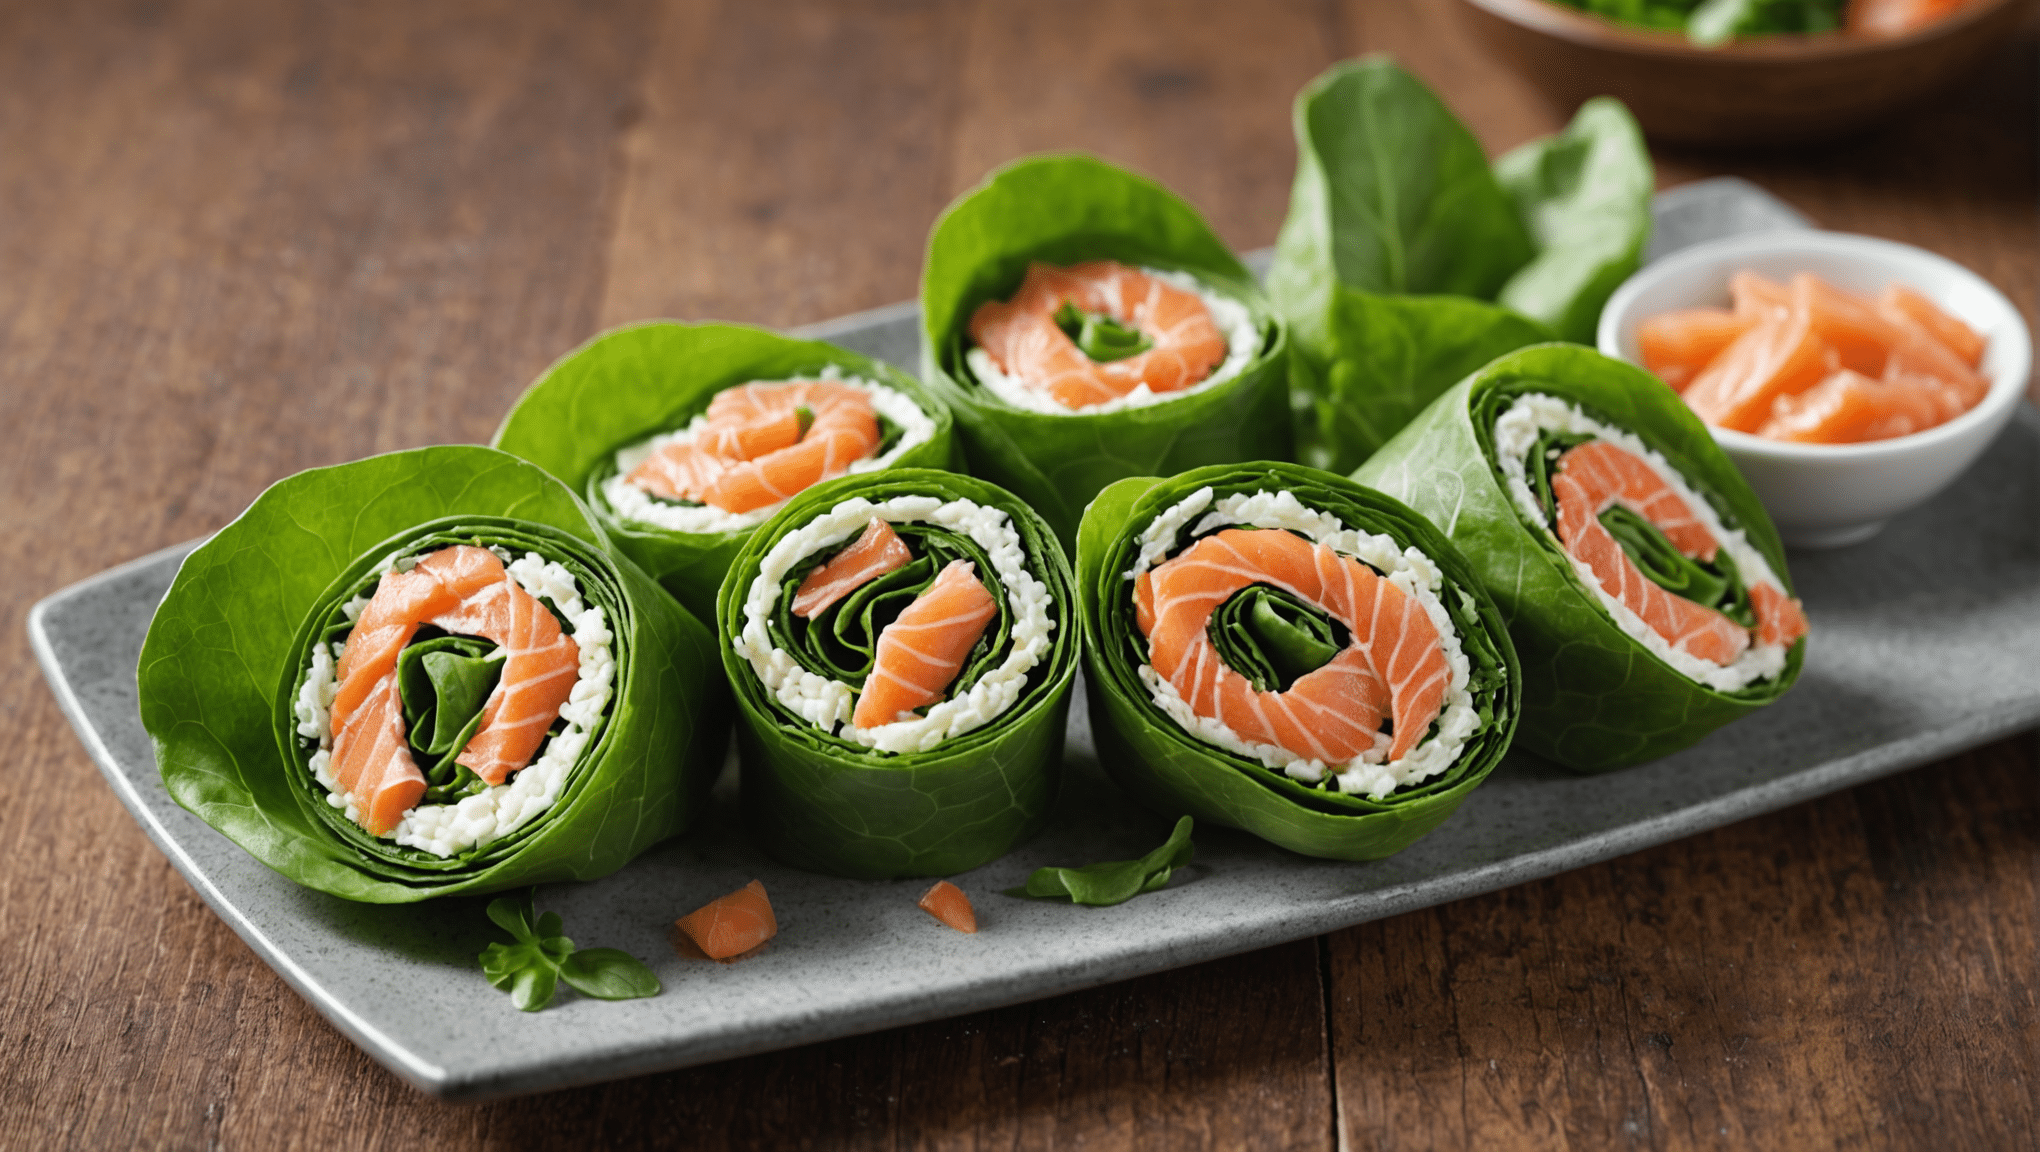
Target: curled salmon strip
[921,651]
[466,591]
[1393,666]
[1022,337]
[756,448]
[877,551]
[1593,477]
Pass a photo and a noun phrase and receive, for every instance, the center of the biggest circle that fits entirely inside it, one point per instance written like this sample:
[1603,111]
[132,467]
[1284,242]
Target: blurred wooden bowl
[1767,89]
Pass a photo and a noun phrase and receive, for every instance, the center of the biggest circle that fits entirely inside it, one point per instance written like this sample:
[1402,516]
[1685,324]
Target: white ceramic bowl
[1830,495]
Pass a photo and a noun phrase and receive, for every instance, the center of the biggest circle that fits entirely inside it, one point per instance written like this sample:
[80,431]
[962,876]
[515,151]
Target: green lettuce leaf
[633,382]
[1585,194]
[1407,261]
[1175,773]
[821,802]
[227,648]
[1594,699]
[1115,881]
[1065,209]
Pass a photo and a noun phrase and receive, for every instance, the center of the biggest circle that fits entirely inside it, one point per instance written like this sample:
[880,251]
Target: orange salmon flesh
[1022,337]
[1597,475]
[465,591]
[752,453]
[729,926]
[1807,361]
[1394,667]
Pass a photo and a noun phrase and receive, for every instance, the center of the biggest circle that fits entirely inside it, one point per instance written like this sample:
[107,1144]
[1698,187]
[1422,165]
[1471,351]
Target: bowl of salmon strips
[1850,378]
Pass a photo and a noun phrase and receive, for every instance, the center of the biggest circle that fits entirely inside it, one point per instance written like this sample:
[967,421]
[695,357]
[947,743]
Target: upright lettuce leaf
[819,801]
[1585,194]
[633,382]
[226,650]
[1407,261]
[1594,699]
[1176,773]
[1061,210]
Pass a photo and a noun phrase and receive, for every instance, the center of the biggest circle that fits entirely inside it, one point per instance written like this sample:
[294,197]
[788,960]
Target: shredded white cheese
[1406,568]
[447,829]
[827,704]
[630,502]
[1516,432]
[1242,338]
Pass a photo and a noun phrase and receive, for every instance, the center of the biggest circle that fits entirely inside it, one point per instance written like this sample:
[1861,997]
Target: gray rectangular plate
[1926,641]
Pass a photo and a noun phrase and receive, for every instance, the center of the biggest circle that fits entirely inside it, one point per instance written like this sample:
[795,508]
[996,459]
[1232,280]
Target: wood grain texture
[241,239]
[787,163]
[1858,971]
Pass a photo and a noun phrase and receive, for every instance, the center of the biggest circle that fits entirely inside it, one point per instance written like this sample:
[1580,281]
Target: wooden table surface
[239,238]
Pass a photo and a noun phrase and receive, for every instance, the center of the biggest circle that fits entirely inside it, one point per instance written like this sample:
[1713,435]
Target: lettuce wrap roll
[1644,585]
[685,437]
[1086,325]
[1407,260]
[1281,650]
[902,645]
[421,675]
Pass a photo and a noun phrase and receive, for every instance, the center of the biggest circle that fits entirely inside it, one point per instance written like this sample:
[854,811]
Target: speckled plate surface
[1926,641]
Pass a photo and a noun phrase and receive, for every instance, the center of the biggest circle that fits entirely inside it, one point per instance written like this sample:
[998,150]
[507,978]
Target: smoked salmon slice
[1394,666]
[1022,337]
[1849,407]
[1817,364]
[1677,346]
[877,551]
[463,590]
[920,652]
[947,903]
[762,443]
[1959,337]
[1779,354]
[1589,479]
[731,925]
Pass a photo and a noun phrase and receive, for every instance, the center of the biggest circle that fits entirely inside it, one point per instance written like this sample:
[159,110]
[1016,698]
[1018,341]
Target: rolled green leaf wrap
[1271,636]
[814,795]
[1408,261]
[231,646]
[1595,698]
[631,383]
[1064,210]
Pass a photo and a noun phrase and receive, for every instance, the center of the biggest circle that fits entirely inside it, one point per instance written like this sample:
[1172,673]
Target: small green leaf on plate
[1115,881]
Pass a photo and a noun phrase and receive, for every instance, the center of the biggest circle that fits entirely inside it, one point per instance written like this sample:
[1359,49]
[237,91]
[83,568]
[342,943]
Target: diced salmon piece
[1677,346]
[947,903]
[1959,337]
[731,925]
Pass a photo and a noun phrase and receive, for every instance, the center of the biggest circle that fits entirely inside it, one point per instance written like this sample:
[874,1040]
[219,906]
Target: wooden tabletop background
[239,238]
